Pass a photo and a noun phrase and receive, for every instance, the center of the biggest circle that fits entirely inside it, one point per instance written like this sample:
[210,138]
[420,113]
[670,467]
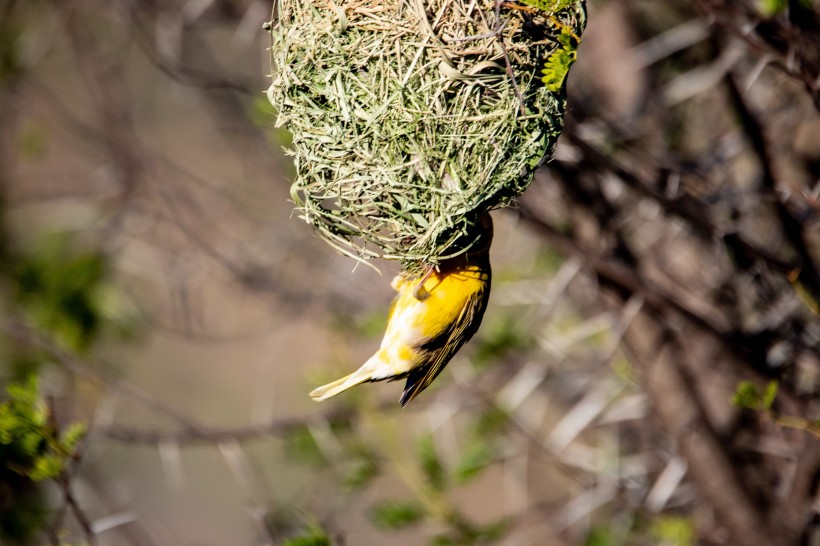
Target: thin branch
[190,431]
[682,416]
[64,482]
[213,435]
[622,280]
[90,370]
[793,229]
[792,46]
[683,207]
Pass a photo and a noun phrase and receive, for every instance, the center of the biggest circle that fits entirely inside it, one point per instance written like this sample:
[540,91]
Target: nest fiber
[412,118]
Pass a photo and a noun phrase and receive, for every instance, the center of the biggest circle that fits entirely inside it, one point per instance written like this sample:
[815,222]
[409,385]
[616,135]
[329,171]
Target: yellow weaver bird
[430,319]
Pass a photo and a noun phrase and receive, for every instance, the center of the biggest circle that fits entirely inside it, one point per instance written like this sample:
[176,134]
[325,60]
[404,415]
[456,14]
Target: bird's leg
[419,292]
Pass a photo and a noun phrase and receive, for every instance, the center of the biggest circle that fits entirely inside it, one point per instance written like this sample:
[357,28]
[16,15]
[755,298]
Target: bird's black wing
[438,351]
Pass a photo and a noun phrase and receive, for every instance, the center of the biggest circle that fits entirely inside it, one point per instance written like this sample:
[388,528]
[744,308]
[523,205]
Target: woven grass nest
[412,118]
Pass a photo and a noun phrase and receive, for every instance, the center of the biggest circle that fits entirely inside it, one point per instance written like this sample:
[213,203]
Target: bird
[430,319]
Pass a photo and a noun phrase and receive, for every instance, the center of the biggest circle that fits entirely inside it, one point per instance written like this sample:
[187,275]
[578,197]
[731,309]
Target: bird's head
[484,235]
[478,239]
[474,243]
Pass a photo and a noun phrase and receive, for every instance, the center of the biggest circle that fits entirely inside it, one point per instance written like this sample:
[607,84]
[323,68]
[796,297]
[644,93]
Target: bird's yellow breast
[446,295]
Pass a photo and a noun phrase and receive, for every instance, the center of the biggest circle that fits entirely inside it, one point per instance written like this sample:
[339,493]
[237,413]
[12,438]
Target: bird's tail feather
[330,390]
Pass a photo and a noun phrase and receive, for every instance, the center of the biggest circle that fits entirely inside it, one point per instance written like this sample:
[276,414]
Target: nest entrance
[412,118]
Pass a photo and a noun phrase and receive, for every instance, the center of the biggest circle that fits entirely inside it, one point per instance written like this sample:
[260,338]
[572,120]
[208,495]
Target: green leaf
[360,471]
[9,423]
[502,337]
[445,540]
[601,536]
[314,535]
[25,426]
[25,393]
[30,442]
[491,421]
[673,531]
[463,533]
[396,514]
[22,416]
[308,540]
[73,434]
[58,290]
[770,8]
[559,62]
[474,459]
[749,396]
[769,394]
[301,446]
[46,467]
[493,532]
[430,463]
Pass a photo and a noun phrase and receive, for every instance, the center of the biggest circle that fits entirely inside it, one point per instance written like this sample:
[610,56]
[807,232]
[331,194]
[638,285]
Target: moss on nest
[411,118]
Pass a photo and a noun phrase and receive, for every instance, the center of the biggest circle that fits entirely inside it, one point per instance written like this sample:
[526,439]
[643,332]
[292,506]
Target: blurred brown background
[662,267]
